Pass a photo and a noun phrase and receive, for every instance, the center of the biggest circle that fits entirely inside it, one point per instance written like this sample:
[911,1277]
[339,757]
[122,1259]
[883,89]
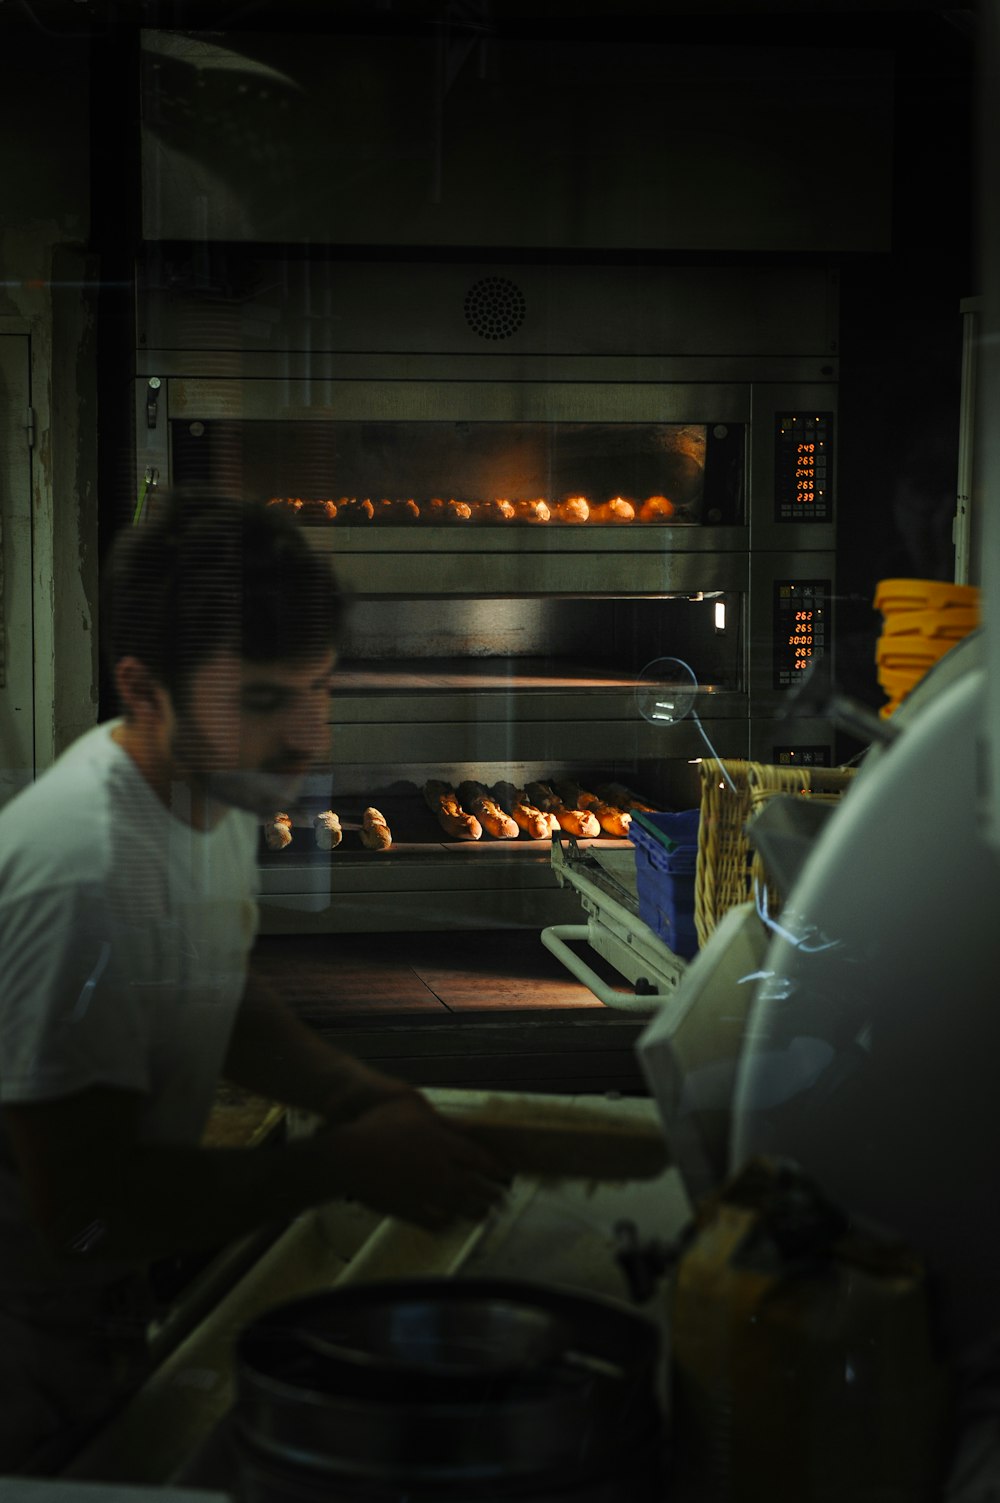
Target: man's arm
[272,1053]
[96,1193]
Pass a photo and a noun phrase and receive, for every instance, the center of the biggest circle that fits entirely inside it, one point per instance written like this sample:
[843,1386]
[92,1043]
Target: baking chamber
[525,517]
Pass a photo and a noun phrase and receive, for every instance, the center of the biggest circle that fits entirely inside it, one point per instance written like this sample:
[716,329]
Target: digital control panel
[801,615]
[802,756]
[803,467]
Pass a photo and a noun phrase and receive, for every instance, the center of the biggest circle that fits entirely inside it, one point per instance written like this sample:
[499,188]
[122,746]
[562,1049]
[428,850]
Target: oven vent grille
[494,307]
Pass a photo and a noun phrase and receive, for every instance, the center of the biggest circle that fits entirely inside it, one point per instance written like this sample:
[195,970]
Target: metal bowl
[426,1379]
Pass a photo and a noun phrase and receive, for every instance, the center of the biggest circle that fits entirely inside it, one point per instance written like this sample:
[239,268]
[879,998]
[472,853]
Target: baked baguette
[624,798]
[278,832]
[478,801]
[374,832]
[612,819]
[442,800]
[574,821]
[535,823]
[327,829]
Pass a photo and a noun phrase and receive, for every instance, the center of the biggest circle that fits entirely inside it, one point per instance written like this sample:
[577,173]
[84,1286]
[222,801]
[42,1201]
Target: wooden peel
[565,1138]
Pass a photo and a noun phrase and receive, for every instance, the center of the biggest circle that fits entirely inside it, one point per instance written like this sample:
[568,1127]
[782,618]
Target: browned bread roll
[656,509]
[532,511]
[573,509]
[375,833]
[278,832]
[616,510]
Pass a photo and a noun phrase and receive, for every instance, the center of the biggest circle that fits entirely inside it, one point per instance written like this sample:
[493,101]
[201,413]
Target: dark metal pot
[470,1388]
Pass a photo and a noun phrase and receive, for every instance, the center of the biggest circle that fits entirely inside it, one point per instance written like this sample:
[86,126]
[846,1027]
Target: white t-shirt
[124,936]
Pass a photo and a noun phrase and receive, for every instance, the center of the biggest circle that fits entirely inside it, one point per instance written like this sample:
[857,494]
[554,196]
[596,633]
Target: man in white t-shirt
[127,914]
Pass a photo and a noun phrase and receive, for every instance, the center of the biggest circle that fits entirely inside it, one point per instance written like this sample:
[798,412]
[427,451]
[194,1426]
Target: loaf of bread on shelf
[375,833]
[535,823]
[612,819]
[478,801]
[623,798]
[278,832]
[656,509]
[617,510]
[442,800]
[573,821]
[532,511]
[327,830]
[572,509]
[396,512]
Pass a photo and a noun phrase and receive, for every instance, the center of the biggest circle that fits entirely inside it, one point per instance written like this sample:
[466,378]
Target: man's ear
[142,696]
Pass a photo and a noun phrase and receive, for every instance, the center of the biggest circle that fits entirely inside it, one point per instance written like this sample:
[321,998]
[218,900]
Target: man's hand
[401,1158]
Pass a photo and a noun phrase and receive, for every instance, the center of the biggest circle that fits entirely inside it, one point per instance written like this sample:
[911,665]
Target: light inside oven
[405,473]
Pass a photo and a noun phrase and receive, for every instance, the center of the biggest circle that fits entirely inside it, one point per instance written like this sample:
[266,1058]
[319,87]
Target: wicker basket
[729,871]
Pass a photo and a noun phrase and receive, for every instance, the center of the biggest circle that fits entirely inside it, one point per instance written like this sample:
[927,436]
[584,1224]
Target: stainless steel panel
[358,365]
[475,574]
[721,553]
[574,317]
[454,401]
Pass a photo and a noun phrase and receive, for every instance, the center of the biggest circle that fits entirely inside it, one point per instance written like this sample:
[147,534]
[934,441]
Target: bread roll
[573,509]
[656,509]
[278,832]
[532,511]
[328,831]
[492,511]
[374,831]
[616,510]
[395,512]
[354,513]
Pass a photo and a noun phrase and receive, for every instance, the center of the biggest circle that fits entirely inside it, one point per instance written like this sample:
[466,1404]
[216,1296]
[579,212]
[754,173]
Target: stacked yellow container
[922,620]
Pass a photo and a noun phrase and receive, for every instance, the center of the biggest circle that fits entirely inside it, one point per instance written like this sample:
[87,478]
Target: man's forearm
[273,1053]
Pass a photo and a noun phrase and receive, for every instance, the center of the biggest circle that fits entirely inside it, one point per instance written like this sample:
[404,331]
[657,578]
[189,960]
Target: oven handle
[555,939]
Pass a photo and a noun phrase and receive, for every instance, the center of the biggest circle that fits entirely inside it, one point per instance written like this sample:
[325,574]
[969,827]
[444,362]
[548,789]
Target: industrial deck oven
[535,480]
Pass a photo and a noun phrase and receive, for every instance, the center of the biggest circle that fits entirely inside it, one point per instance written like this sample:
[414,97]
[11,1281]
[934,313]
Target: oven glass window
[498,474]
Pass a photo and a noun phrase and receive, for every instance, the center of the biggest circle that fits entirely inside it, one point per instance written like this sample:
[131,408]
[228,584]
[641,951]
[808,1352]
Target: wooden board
[549,1136]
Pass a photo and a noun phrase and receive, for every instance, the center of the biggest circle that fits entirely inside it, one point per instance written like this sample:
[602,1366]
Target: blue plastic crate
[668,841]
[667,903]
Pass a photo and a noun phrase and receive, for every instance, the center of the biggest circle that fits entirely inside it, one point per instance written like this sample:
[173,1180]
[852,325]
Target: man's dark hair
[212,573]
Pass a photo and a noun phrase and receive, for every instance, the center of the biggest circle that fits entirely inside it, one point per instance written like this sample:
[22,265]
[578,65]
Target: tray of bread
[469,815]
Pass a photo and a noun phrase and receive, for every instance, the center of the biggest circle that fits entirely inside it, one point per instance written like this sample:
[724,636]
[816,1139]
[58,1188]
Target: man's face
[246,734]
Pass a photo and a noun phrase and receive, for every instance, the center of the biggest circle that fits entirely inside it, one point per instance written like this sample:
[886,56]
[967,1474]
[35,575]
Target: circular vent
[494,307]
